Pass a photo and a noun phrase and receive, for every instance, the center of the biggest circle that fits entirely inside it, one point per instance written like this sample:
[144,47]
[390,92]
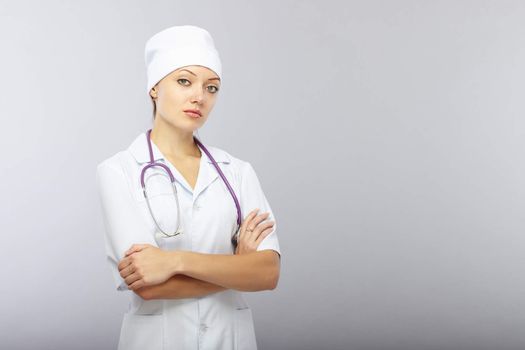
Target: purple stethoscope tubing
[152,163]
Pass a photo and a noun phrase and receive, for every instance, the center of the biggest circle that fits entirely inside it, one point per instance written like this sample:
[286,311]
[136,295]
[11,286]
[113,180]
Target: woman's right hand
[253,230]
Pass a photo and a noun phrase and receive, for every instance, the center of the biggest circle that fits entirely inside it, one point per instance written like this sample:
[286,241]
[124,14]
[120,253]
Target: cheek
[170,101]
[210,103]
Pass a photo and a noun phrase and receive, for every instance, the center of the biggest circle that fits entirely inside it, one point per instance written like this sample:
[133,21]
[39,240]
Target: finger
[134,248]
[263,235]
[123,263]
[252,213]
[260,228]
[139,247]
[127,271]
[129,252]
[137,284]
[134,277]
[246,221]
[258,219]
[252,226]
[249,217]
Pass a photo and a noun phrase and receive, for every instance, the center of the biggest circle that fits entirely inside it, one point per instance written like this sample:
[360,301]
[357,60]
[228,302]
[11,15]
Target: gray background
[388,137]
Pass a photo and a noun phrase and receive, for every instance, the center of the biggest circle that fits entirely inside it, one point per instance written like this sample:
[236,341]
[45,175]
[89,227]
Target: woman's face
[187,88]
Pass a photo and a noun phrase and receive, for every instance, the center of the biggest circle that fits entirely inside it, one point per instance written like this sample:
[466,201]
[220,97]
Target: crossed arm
[153,273]
[178,287]
[156,274]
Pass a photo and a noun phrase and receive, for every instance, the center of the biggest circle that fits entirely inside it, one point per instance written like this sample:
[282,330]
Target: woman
[170,243]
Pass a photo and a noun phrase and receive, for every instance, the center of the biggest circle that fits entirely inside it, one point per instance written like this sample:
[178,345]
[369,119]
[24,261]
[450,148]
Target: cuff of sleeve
[122,286]
[270,243]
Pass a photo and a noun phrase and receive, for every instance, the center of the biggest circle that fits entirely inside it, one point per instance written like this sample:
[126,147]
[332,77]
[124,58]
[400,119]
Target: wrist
[176,259]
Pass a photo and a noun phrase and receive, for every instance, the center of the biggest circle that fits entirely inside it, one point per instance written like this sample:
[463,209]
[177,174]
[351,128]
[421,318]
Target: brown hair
[154,108]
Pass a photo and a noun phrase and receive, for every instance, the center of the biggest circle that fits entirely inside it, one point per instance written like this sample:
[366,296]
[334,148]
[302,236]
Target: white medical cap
[179,46]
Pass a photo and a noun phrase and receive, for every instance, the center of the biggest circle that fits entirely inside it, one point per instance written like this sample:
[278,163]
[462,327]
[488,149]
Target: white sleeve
[252,196]
[122,219]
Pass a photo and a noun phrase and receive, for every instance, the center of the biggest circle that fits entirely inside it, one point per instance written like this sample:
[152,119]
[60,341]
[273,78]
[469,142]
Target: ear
[153,92]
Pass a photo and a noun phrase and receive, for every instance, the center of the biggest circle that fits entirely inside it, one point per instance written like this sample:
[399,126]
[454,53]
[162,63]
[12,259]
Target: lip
[193,113]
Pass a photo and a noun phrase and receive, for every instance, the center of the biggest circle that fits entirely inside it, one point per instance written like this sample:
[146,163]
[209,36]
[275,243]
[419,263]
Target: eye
[182,79]
[213,87]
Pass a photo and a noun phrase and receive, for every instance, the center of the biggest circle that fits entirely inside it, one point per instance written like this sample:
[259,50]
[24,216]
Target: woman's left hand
[253,230]
[145,265]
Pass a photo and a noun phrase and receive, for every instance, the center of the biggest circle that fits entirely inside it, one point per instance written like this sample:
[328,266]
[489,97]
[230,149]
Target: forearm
[245,272]
[179,287]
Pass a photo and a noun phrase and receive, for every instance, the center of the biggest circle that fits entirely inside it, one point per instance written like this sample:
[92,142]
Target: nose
[198,96]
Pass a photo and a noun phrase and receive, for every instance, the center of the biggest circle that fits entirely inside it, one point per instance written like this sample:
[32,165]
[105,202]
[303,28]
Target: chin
[185,125]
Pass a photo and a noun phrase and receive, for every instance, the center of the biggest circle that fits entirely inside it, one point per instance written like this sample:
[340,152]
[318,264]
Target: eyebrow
[196,75]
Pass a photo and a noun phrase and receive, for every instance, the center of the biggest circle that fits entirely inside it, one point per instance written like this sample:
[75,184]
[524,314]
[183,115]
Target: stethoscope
[178,229]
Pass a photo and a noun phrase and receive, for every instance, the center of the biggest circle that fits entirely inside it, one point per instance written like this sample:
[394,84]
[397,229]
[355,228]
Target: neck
[173,142]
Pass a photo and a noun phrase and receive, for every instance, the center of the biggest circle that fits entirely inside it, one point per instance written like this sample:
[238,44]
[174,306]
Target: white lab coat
[222,320]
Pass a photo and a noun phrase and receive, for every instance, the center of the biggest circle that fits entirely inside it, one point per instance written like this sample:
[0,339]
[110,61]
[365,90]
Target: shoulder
[121,160]
[111,174]
[239,169]
[222,156]
[111,162]
[116,172]
[117,162]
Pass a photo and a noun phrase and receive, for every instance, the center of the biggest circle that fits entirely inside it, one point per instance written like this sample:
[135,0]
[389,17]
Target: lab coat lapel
[207,172]
[207,175]
[139,150]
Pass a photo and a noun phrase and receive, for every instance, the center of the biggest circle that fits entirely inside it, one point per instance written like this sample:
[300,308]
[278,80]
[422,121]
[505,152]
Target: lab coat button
[203,327]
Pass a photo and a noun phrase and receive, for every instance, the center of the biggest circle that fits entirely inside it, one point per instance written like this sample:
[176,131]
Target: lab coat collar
[139,150]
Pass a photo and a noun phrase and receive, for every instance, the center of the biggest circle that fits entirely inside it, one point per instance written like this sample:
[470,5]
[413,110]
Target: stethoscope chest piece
[235,238]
